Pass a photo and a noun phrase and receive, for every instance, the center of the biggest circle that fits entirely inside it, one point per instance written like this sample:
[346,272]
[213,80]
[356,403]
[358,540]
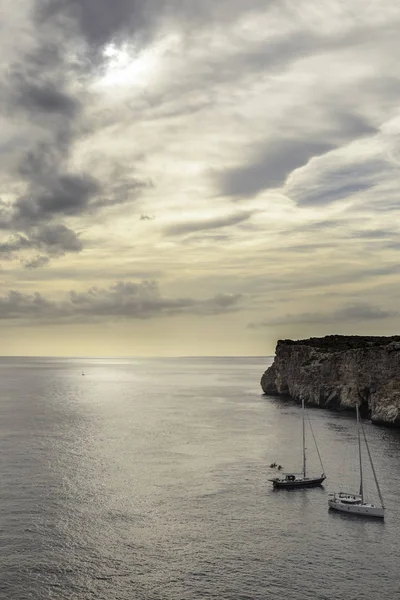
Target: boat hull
[299,483]
[362,510]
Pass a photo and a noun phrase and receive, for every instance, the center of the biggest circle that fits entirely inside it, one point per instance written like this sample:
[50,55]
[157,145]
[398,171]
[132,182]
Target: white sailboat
[301,480]
[355,504]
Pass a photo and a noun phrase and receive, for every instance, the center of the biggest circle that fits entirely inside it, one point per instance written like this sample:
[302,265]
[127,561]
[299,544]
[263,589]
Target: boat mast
[373,468]
[316,445]
[304,440]
[359,452]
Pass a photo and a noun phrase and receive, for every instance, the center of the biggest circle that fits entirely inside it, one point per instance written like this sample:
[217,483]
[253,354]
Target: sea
[147,479]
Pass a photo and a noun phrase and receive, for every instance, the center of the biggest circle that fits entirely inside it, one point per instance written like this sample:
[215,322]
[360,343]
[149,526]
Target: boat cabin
[349,498]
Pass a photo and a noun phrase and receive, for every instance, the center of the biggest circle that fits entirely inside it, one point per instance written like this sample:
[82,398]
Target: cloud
[99,23]
[307,247]
[41,91]
[123,300]
[96,21]
[45,98]
[37,263]
[46,92]
[376,234]
[270,168]
[174,108]
[14,244]
[364,312]
[68,194]
[351,313]
[54,239]
[207,224]
[333,178]
[15,304]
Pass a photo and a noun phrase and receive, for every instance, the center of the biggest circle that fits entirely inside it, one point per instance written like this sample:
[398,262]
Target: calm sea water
[147,479]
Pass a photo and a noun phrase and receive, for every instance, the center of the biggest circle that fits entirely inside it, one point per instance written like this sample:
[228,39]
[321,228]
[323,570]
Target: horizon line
[136,357]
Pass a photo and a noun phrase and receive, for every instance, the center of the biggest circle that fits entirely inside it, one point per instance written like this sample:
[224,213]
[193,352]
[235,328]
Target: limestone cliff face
[339,372]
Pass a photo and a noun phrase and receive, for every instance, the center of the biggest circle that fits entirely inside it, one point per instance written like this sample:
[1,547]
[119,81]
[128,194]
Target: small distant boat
[301,480]
[355,503]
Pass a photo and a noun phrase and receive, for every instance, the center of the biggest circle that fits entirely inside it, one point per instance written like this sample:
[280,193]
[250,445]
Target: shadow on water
[304,491]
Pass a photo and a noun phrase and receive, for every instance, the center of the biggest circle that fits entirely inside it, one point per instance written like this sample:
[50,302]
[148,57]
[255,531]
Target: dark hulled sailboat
[301,480]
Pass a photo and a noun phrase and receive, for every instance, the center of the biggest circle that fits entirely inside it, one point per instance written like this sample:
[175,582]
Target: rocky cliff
[338,372]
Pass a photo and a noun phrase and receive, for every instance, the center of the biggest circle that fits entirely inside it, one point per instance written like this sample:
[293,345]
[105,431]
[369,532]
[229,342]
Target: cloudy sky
[187,178]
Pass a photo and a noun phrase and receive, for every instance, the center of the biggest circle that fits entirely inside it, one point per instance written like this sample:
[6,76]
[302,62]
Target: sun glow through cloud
[130,66]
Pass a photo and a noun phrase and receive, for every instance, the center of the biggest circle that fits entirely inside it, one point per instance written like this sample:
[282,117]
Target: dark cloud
[99,22]
[219,303]
[44,97]
[37,263]
[16,305]
[348,313]
[120,190]
[364,312]
[15,243]
[270,168]
[40,163]
[207,224]
[333,192]
[45,90]
[349,126]
[123,300]
[375,234]
[68,194]
[54,239]
[337,182]
[144,300]
[40,92]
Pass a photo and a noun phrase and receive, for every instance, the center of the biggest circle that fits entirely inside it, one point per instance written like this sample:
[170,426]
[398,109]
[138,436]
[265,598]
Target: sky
[185,178]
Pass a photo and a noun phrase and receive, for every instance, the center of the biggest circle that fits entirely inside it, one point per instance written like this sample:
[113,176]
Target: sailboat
[301,480]
[355,504]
